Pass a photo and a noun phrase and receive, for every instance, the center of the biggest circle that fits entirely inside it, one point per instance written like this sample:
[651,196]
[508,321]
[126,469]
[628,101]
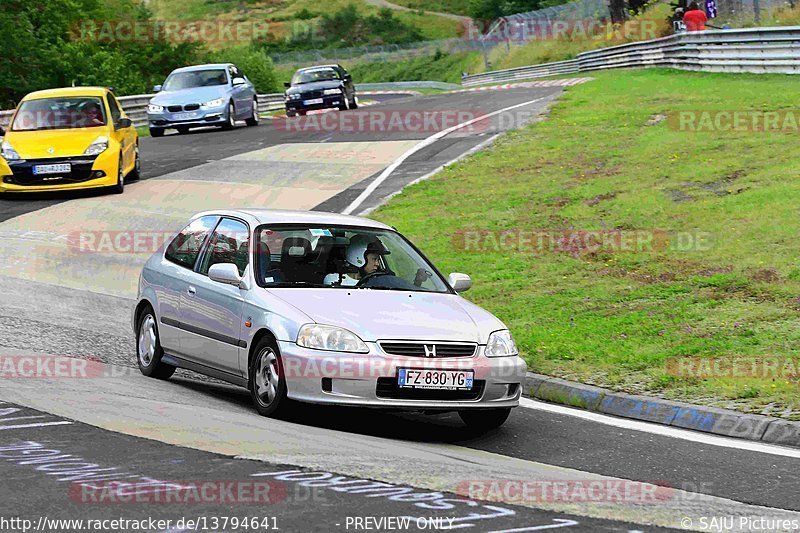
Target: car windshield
[59,114]
[342,257]
[312,75]
[195,78]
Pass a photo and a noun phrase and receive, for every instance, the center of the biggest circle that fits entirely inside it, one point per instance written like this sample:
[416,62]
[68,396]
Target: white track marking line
[419,146]
[4,420]
[665,431]
[35,425]
[562,522]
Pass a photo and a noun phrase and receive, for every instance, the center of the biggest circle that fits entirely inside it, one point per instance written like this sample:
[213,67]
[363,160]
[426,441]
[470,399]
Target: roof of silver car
[287,216]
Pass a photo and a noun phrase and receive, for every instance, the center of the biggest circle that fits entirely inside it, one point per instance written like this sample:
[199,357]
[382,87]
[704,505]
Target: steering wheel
[371,275]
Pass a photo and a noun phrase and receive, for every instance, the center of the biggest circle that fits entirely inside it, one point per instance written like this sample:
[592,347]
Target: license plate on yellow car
[63,168]
[413,378]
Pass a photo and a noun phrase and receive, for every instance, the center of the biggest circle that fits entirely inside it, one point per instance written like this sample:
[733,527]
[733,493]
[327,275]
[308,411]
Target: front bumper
[86,172]
[328,102]
[196,118]
[368,380]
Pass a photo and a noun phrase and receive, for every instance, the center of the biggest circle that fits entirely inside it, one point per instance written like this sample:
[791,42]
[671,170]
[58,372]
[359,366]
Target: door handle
[192,290]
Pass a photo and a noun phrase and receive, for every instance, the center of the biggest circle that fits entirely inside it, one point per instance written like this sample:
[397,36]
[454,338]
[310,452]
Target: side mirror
[124,123]
[287,84]
[347,77]
[2,131]
[156,88]
[459,282]
[238,81]
[225,273]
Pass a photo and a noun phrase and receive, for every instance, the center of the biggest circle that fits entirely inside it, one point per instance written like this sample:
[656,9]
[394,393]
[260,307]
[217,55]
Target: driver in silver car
[365,254]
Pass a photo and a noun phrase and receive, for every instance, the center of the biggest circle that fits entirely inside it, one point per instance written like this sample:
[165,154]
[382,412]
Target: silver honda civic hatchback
[322,308]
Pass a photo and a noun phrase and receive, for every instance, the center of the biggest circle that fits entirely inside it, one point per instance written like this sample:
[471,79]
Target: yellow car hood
[53,143]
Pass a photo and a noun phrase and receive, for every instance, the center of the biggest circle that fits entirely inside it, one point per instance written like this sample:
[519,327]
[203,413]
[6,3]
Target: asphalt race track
[320,469]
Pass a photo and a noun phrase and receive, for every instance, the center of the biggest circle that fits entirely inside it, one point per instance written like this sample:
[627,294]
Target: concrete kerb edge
[701,418]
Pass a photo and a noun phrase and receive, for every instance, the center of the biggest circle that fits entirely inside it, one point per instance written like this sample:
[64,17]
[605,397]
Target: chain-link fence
[387,52]
[740,13]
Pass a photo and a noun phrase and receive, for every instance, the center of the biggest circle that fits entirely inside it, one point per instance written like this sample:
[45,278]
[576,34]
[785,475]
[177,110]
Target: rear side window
[185,247]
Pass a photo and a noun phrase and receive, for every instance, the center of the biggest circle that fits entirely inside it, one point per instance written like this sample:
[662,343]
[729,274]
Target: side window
[116,114]
[228,244]
[185,247]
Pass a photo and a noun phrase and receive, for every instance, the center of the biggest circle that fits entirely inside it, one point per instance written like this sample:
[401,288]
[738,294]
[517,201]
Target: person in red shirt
[695,18]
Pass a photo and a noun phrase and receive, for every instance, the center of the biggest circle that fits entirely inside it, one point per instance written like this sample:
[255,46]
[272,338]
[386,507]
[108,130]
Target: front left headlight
[8,152]
[331,91]
[293,96]
[213,103]
[501,344]
[99,146]
[153,108]
[331,338]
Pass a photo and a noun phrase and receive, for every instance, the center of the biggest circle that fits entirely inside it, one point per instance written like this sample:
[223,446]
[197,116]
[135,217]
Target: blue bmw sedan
[202,95]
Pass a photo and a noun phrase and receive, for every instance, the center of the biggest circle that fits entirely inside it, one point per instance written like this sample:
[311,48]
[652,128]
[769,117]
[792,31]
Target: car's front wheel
[231,122]
[267,382]
[482,420]
[119,188]
[136,173]
[148,347]
[253,120]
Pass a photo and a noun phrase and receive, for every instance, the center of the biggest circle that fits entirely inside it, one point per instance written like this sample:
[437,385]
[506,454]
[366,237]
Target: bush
[255,63]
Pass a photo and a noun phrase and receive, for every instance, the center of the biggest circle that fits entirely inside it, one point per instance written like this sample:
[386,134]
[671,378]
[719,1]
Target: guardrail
[136,107]
[755,50]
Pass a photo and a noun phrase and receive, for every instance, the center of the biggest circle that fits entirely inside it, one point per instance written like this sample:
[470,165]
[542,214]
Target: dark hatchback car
[321,87]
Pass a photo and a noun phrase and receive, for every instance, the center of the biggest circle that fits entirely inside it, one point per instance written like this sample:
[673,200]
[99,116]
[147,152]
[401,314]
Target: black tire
[302,113]
[253,120]
[354,103]
[119,188]
[482,420]
[290,114]
[267,389]
[136,173]
[156,132]
[183,129]
[346,104]
[231,118]
[150,366]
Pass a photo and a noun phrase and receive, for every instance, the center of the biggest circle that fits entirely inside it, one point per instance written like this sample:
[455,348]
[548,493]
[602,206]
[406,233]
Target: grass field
[457,7]
[281,15]
[610,156]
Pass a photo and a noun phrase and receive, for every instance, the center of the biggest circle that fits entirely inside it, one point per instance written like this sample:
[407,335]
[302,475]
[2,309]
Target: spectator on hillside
[695,18]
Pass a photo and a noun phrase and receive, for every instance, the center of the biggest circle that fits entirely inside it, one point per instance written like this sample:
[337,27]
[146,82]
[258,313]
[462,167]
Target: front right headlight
[501,344]
[8,152]
[153,108]
[331,338]
[99,146]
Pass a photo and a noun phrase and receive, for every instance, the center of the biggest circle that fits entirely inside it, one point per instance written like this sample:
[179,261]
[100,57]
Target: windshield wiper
[293,284]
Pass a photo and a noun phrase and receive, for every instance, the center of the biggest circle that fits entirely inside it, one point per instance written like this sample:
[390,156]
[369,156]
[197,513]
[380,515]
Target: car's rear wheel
[267,382]
[253,120]
[231,122]
[156,132]
[482,420]
[148,347]
[119,188]
[136,173]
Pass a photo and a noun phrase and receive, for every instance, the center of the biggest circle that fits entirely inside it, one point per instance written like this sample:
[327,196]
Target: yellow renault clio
[72,138]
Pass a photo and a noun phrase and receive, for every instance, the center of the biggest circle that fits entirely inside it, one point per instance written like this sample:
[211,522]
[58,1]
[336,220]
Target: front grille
[427,349]
[22,172]
[311,94]
[387,388]
[191,107]
[174,108]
